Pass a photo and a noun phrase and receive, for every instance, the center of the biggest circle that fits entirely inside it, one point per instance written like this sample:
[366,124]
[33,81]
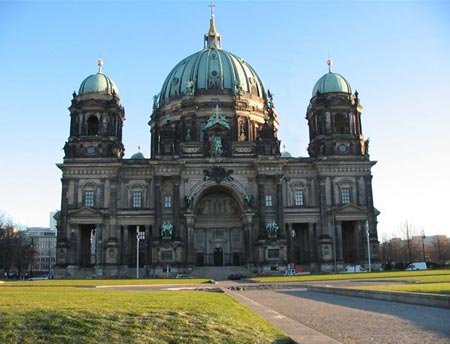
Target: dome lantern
[212,38]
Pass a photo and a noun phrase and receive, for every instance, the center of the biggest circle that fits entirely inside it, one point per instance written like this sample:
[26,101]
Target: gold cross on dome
[211,6]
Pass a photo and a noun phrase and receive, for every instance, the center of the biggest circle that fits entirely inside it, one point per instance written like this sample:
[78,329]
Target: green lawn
[424,281]
[369,275]
[433,288]
[60,312]
[104,282]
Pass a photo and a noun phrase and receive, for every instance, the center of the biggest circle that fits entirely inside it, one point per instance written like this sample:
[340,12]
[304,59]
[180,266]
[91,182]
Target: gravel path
[358,320]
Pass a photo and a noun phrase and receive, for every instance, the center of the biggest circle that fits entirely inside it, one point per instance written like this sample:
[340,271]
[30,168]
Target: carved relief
[217,204]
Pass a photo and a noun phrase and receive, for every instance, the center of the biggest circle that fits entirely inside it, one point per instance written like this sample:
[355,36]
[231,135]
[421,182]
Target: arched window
[92,124]
[340,123]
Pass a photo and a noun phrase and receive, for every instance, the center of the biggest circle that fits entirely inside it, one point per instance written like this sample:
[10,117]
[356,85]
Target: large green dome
[98,83]
[211,71]
[331,83]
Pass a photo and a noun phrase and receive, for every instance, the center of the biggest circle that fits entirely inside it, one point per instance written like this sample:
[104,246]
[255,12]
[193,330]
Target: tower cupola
[331,83]
[96,119]
[334,119]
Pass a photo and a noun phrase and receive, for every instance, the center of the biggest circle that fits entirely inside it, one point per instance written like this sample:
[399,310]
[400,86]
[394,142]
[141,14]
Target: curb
[422,299]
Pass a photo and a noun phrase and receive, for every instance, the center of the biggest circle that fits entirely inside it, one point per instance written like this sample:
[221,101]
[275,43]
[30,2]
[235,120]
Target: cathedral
[216,190]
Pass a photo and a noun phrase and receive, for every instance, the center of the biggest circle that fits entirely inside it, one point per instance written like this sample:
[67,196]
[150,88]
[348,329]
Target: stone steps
[219,273]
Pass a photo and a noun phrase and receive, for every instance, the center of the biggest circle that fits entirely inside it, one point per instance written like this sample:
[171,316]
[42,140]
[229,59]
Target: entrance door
[349,242]
[236,259]
[199,259]
[218,256]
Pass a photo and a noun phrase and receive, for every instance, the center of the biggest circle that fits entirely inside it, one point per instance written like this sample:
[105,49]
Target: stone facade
[216,190]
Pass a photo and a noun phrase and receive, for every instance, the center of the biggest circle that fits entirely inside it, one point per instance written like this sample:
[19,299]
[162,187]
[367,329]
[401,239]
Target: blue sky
[395,53]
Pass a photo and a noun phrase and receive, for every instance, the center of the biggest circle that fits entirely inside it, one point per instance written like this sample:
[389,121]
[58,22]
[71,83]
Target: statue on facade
[166,230]
[190,88]
[272,228]
[217,146]
[366,147]
[189,199]
[238,91]
[248,199]
[188,134]
[155,101]
[218,174]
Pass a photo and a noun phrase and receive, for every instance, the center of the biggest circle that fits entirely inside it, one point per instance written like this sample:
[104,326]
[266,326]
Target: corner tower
[96,119]
[334,119]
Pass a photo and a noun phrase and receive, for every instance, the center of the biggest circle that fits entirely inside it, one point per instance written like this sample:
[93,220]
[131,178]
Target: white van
[417,266]
[353,268]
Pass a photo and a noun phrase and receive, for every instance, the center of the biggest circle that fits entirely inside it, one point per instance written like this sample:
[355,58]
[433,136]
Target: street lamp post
[368,245]
[423,245]
[31,256]
[139,236]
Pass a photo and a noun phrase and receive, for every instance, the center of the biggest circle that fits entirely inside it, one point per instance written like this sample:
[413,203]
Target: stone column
[126,248]
[339,255]
[63,231]
[324,230]
[312,243]
[291,248]
[74,243]
[359,238]
[100,234]
[176,206]
[279,210]
[372,220]
[369,197]
[158,210]
[261,205]
[148,245]
[248,239]
[190,254]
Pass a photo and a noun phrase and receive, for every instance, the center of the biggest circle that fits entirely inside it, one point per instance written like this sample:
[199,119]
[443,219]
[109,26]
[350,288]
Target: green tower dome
[98,83]
[211,71]
[331,83]
[137,156]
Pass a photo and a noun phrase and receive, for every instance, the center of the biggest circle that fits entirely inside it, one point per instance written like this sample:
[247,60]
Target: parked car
[235,277]
[38,278]
[353,268]
[417,266]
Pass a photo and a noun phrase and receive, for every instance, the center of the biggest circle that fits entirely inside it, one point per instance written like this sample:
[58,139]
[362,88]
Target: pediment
[217,127]
[350,212]
[350,209]
[84,212]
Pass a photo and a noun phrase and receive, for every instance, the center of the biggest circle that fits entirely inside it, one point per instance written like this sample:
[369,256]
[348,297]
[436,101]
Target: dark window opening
[340,123]
[92,124]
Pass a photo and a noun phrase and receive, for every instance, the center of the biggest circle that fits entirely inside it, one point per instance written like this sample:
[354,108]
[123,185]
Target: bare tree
[16,251]
[408,231]
[438,250]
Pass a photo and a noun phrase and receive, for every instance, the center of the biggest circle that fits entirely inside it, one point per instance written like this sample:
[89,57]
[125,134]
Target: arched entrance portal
[218,230]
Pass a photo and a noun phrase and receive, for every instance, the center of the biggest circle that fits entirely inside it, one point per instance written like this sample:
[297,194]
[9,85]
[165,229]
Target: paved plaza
[347,319]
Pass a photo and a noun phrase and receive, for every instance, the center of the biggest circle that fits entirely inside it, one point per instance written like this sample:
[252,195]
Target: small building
[43,241]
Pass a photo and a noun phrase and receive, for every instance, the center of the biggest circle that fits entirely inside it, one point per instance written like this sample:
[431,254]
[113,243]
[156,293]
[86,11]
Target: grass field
[63,312]
[400,275]
[433,288]
[424,281]
[104,282]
